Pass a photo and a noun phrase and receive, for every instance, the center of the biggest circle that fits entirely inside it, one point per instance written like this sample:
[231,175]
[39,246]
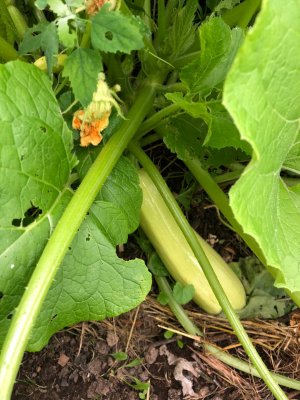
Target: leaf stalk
[57,246]
[208,271]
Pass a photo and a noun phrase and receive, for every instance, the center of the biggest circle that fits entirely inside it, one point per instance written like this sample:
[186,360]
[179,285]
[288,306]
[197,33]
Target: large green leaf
[35,165]
[262,93]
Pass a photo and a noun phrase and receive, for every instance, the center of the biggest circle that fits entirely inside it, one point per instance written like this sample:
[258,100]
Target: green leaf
[59,7]
[193,108]
[262,94]
[42,36]
[134,363]
[35,166]
[156,266]
[263,299]
[66,32]
[181,34]
[219,45]
[113,31]
[226,4]
[92,282]
[66,35]
[121,187]
[82,68]
[292,161]
[168,334]
[120,356]
[183,294]
[162,298]
[185,136]
[222,132]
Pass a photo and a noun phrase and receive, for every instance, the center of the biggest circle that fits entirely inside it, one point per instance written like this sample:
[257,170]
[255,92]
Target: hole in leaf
[43,129]
[29,216]
[1,295]
[70,248]
[16,222]
[88,238]
[9,316]
[109,35]
[53,317]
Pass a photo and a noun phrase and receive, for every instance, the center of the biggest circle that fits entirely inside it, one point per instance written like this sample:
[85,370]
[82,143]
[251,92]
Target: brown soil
[78,363]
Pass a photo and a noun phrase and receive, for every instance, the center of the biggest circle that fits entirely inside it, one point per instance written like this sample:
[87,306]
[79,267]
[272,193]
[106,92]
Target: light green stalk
[208,271]
[57,246]
[221,355]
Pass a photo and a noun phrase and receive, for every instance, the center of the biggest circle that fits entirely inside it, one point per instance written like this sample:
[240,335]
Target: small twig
[132,328]
[81,338]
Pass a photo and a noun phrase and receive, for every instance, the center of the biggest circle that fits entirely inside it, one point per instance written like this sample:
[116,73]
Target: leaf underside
[262,94]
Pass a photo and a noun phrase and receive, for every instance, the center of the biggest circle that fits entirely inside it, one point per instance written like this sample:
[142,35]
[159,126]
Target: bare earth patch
[78,363]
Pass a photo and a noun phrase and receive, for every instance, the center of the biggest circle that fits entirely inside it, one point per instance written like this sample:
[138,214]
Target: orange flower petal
[90,132]
[77,119]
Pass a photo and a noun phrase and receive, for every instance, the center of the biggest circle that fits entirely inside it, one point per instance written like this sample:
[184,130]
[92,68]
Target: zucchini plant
[82,85]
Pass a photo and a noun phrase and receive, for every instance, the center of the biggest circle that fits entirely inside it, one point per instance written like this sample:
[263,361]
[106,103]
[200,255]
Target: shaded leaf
[183,294]
[219,45]
[42,36]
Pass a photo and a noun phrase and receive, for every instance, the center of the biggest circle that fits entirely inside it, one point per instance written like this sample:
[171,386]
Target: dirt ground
[80,363]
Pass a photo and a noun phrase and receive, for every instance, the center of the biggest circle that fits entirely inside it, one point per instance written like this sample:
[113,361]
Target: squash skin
[175,252]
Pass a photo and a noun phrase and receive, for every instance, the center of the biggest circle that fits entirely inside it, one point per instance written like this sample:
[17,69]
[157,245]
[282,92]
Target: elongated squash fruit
[168,240]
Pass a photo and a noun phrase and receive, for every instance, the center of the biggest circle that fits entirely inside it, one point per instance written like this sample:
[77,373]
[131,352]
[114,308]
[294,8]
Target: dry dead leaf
[63,360]
[181,365]
[111,338]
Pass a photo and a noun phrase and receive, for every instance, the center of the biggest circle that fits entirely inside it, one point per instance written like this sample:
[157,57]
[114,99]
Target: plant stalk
[57,246]
[208,271]
[7,51]
[221,201]
[221,355]
[155,119]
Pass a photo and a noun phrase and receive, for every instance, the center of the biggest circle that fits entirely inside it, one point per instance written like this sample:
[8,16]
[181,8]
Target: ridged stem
[221,355]
[208,271]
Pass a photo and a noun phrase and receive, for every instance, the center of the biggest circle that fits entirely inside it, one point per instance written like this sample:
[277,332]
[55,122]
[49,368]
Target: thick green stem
[186,59]
[155,119]
[221,355]
[7,51]
[228,176]
[57,246]
[18,20]
[220,199]
[86,37]
[161,21]
[208,271]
